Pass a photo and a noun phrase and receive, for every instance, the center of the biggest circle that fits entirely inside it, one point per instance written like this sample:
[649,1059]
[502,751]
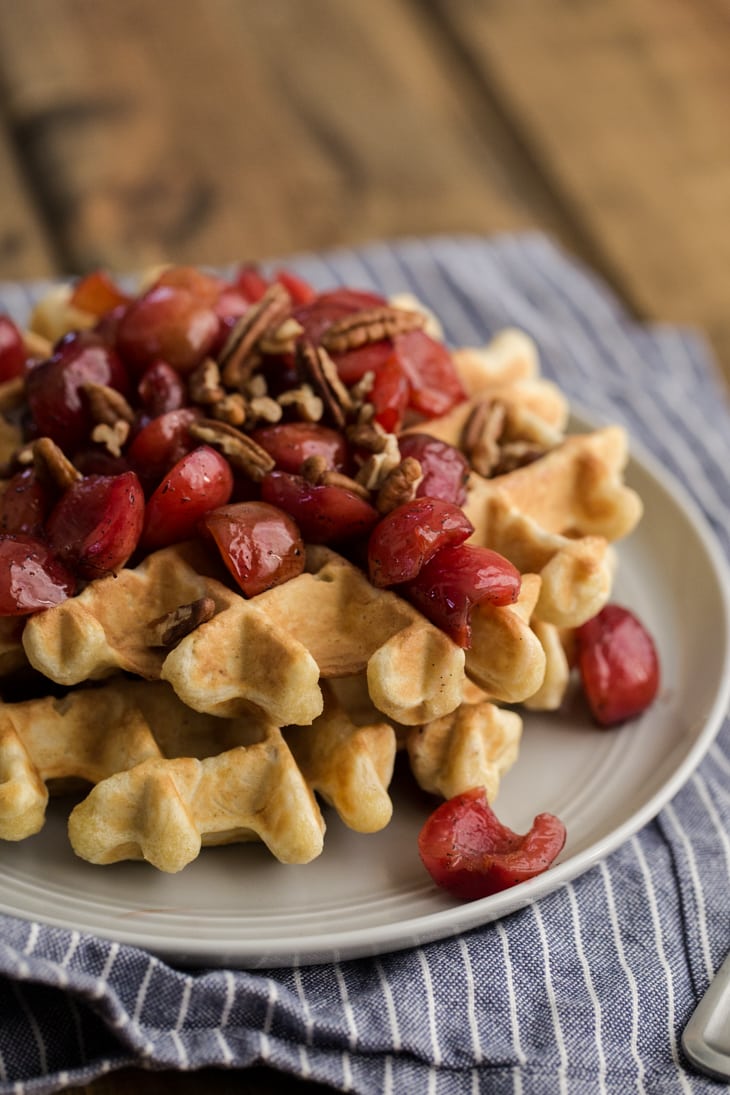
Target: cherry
[259,543]
[54,387]
[300,291]
[323,310]
[31,578]
[352,365]
[290,443]
[12,350]
[97,294]
[161,442]
[445,468]
[457,578]
[435,383]
[167,322]
[96,525]
[410,535]
[390,395]
[24,503]
[324,513]
[470,853]
[618,665]
[161,389]
[201,481]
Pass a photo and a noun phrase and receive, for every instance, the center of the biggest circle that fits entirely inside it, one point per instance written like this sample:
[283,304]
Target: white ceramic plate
[370,894]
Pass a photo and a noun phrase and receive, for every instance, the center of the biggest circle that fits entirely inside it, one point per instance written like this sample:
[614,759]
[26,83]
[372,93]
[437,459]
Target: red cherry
[161,442]
[470,853]
[325,514]
[31,578]
[618,665]
[457,578]
[445,468]
[96,525]
[201,481]
[410,535]
[259,543]
[161,389]
[291,443]
[12,350]
[167,322]
[435,383]
[24,503]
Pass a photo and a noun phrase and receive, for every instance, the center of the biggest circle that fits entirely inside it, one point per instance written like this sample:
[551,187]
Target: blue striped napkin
[585,991]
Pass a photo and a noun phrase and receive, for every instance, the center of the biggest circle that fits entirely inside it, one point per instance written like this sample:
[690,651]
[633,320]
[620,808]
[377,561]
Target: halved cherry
[201,481]
[97,523]
[390,395]
[161,442]
[97,293]
[31,577]
[445,468]
[324,513]
[291,443]
[161,389]
[300,291]
[434,381]
[12,350]
[470,853]
[408,536]
[457,578]
[618,665]
[169,322]
[260,544]
[319,314]
[24,504]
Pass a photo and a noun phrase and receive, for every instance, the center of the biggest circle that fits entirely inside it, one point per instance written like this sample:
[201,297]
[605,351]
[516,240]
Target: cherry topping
[618,665]
[31,578]
[96,525]
[259,543]
[325,514]
[201,481]
[12,350]
[410,535]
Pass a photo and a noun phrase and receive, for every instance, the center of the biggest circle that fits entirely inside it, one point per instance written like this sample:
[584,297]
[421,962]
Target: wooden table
[216,130]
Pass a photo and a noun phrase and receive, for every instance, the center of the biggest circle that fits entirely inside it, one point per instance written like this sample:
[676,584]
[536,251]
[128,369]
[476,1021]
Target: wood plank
[25,251]
[238,130]
[625,107]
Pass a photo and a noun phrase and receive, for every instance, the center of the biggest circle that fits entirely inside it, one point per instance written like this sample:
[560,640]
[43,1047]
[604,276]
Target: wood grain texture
[625,108]
[243,130]
[25,249]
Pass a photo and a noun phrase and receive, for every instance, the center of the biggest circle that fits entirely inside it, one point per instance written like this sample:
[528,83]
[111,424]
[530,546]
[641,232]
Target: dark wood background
[217,130]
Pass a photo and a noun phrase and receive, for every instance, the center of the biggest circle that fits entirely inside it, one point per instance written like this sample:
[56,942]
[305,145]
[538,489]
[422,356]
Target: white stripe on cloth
[595,1002]
[698,893]
[631,980]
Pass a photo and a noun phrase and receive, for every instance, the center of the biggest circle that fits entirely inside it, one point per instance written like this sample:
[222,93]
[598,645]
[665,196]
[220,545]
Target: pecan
[237,359]
[170,629]
[112,437]
[317,471]
[317,367]
[52,465]
[481,433]
[400,485]
[516,454]
[262,408]
[241,451]
[380,464]
[369,436]
[204,383]
[370,325]
[308,407]
[107,405]
[232,409]
[281,339]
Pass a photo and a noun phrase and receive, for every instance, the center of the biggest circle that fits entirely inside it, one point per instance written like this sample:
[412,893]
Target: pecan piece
[237,359]
[241,451]
[400,485]
[168,630]
[52,465]
[319,370]
[204,383]
[370,325]
[317,471]
[107,405]
[481,433]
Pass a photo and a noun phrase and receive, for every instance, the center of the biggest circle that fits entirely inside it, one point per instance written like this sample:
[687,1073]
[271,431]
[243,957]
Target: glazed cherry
[31,578]
[161,442]
[434,381]
[410,535]
[97,294]
[12,350]
[445,468]
[201,481]
[456,579]
[291,443]
[161,389]
[326,308]
[97,523]
[167,322]
[618,665]
[24,504]
[55,388]
[259,543]
[325,514]
[470,853]
[390,395]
